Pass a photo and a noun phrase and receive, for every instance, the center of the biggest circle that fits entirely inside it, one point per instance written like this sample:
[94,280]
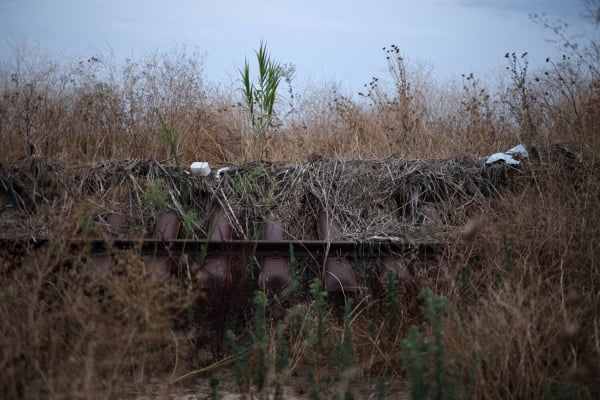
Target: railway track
[222,256]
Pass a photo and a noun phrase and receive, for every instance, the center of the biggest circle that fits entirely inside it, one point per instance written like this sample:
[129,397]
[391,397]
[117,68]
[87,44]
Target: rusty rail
[219,250]
[259,248]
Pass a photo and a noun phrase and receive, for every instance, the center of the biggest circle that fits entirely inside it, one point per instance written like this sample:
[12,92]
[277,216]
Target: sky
[335,40]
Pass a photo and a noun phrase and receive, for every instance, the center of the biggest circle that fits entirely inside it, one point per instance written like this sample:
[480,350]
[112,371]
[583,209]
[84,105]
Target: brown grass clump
[530,299]
[71,333]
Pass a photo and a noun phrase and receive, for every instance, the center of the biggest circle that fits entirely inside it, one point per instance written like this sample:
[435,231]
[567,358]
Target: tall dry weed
[72,331]
[529,302]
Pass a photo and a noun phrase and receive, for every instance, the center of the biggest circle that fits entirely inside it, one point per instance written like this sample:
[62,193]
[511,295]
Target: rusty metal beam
[300,248]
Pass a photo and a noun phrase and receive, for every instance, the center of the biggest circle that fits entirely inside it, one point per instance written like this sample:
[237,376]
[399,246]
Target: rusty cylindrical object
[398,270]
[216,272]
[116,224]
[338,272]
[167,228]
[274,271]
[327,226]
[102,263]
[168,225]
[220,228]
[339,275]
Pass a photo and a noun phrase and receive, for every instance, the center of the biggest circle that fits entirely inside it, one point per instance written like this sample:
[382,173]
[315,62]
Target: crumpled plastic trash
[220,173]
[511,157]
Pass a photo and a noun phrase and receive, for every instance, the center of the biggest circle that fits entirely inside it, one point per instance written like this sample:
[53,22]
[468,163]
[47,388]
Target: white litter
[511,157]
[200,168]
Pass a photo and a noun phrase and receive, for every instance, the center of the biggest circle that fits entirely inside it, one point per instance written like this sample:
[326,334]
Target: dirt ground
[297,389]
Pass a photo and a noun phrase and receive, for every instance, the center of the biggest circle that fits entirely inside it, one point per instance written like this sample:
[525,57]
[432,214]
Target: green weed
[292,291]
[155,199]
[190,222]
[392,302]
[260,96]
[430,371]
[214,388]
[168,137]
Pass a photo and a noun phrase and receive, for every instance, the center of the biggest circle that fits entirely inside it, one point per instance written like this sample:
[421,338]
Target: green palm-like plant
[260,97]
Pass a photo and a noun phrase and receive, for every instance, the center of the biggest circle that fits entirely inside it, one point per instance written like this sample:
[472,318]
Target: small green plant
[346,350]
[412,349]
[252,362]
[430,373]
[392,301]
[271,195]
[292,291]
[282,354]
[214,388]
[168,137]
[244,185]
[564,391]
[322,352]
[190,222]
[317,339]
[380,388]
[260,97]
[241,366]
[154,199]
[260,347]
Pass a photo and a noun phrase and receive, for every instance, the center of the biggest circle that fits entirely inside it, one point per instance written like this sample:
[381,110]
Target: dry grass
[524,279]
[530,304]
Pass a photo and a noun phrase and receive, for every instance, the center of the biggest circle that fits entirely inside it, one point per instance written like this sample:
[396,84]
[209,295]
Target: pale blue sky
[326,40]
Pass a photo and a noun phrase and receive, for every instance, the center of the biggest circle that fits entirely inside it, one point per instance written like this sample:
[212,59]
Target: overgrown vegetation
[508,310]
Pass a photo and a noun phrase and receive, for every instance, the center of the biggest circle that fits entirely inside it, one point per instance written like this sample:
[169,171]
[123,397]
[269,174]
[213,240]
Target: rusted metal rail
[273,255]
[220,251]
[260,248]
